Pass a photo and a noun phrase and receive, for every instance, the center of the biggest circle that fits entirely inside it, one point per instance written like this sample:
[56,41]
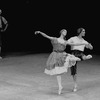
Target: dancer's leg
[0,53]
[0,45]
[74,75]
[59,83]
[75,82]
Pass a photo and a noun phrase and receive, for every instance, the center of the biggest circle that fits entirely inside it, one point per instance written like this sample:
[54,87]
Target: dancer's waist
[59,51]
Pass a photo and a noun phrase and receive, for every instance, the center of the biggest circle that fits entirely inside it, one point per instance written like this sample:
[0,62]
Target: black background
[26,16]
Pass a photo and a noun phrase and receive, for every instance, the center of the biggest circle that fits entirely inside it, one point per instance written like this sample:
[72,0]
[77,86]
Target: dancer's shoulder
[73,38]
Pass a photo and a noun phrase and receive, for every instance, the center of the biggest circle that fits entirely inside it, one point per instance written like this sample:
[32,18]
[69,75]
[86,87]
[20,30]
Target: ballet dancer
[78,51]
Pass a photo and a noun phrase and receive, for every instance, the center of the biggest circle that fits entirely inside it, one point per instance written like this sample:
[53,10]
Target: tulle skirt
[58,63]
[55,59]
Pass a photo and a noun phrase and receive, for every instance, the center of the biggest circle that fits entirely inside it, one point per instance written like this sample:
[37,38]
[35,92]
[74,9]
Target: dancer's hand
[89,46]
[37,32]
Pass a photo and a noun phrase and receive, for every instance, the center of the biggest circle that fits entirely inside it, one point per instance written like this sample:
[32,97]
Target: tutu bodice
[58,46]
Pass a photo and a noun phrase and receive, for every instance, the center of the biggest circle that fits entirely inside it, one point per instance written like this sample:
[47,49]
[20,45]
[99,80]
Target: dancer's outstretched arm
[75,44]
[43,34]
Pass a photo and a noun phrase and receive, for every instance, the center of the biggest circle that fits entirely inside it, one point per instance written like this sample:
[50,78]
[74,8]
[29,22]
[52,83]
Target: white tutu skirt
[56,70]
[69,61]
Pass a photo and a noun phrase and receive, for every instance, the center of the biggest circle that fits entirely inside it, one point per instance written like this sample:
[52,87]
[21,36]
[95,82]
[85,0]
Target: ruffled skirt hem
[56,71]
[69,61]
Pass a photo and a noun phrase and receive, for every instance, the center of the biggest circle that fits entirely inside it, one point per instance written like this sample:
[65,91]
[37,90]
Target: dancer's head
[81,32]
[63,32]
[0,11]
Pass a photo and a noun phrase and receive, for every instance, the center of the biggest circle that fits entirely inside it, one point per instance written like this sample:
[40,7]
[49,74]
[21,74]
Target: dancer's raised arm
[43,34]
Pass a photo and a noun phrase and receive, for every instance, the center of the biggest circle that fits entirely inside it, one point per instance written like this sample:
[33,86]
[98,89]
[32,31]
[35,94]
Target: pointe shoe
[75,89]
[59,91]
[87,57]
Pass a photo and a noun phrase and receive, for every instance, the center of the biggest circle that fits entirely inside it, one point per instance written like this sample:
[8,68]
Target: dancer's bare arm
[89,46]
[74,44]
[43,34]
[5,22]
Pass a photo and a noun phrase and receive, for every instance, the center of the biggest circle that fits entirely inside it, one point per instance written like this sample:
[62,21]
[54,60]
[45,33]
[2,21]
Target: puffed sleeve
[70,40]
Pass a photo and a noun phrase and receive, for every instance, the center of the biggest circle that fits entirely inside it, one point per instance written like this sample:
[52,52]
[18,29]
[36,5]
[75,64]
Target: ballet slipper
[87,57]
[60,89]
[75,88]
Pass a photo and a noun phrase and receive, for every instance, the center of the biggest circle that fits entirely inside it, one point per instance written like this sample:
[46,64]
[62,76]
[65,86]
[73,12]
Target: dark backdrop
[26,16]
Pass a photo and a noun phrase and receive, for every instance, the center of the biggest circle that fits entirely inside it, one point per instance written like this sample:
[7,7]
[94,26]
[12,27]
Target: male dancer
[3,27]
[78,52]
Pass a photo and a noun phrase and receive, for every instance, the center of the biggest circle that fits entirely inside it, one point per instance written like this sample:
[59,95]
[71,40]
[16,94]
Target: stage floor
[22,78]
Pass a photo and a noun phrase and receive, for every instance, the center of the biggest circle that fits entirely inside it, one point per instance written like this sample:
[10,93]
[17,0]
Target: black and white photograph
[49,50]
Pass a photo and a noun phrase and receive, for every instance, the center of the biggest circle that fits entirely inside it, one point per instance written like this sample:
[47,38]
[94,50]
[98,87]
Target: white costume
[75,40]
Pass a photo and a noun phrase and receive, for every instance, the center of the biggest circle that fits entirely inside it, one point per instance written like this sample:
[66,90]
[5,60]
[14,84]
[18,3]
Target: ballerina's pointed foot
[75,89]
[60,89]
